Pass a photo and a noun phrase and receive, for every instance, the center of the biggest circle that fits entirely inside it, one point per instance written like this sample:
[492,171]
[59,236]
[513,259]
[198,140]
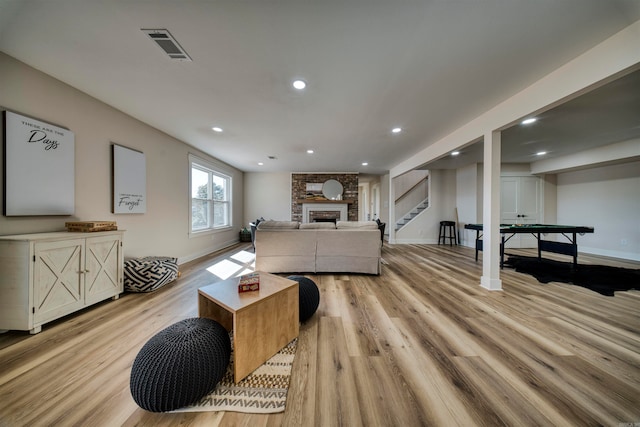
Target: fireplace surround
[338,211]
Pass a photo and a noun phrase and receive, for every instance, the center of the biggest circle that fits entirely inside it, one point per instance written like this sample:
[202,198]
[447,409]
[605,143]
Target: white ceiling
[603,116]
[427,66]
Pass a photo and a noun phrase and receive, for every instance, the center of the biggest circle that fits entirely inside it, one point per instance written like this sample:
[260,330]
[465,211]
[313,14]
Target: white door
[375,201]
[520,203]
[363,202]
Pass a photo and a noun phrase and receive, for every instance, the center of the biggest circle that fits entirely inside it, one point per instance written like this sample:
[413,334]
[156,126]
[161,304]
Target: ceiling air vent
[168,44]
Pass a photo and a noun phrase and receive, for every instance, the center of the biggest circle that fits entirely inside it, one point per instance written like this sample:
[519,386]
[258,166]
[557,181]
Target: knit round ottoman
[309,298]
[180,365]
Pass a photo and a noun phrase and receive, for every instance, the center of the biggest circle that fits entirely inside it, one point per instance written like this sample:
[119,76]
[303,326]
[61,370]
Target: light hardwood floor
[421,344]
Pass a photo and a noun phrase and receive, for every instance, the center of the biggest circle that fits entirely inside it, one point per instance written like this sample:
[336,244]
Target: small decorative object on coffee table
[249,282]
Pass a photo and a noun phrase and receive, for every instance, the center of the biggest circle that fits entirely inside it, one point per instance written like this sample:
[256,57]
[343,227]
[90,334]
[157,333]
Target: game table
[509,230]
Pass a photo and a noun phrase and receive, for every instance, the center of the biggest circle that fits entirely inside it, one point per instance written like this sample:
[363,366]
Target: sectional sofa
[343,247]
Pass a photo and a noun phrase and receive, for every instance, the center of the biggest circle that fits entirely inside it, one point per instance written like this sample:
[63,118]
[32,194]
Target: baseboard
[631,256]
[414,242]
[206,252]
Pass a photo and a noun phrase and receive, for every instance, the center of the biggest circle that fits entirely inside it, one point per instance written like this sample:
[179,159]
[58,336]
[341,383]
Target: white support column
[491,213]
[392,212]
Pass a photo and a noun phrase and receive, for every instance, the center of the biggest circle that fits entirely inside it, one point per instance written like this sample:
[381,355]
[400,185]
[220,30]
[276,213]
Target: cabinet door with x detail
[58,279]
[103,268]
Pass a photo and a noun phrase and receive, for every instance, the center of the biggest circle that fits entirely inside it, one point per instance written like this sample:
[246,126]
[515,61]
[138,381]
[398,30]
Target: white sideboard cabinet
[45,276]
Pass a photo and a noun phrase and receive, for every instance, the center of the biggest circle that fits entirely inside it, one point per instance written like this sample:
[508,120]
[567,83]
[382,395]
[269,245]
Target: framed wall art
[39,167]
[129,181]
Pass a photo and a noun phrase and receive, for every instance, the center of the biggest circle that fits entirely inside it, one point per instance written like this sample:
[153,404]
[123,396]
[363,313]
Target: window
[210,197]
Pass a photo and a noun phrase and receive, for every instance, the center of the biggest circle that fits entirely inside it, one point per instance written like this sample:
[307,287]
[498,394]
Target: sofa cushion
[341,225]
[278,225]
[286,250]
[349,250]
[349,243]
[317,226]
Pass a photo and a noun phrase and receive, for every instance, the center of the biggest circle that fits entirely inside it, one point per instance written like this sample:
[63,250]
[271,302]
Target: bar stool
[449,226]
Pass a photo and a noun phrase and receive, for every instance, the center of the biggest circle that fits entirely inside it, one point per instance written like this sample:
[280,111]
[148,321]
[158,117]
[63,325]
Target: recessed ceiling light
[365,164]
[529,121]
[455,153]
[260,163]
[309,151]
[396,130]
[299,84]
[216,129]
[541,153]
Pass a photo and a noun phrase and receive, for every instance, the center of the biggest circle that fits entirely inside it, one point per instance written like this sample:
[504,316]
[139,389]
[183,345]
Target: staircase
[412,214]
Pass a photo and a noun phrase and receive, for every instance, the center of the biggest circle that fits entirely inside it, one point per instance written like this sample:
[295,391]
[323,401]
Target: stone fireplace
[299,197]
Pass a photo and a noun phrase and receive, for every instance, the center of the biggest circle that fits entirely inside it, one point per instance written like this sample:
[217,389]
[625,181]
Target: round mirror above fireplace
[332,189]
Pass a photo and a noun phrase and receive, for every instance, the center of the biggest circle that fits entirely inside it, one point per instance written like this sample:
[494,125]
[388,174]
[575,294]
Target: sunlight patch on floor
[244,257]
[239,263]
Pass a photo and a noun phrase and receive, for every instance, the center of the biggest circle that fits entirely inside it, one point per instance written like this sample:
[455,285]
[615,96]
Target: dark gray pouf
[180,364]
[309,298]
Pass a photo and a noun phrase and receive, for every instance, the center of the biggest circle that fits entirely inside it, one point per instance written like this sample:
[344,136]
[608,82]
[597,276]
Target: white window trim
[221,171]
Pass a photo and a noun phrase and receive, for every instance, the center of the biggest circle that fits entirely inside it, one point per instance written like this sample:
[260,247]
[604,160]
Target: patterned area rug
[264,391]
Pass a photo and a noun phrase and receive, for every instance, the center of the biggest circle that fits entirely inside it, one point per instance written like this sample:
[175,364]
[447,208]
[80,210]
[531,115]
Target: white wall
[515,169]
[550,199]
[425,227]
[607,198]
[267,195]
[468,179]
[384,202]
[164,228]
[411,200]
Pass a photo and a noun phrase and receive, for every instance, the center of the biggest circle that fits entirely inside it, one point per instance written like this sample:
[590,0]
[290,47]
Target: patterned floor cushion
[149,273]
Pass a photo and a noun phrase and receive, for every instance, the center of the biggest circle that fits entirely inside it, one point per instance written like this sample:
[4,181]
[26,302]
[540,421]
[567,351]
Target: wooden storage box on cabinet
[45,276]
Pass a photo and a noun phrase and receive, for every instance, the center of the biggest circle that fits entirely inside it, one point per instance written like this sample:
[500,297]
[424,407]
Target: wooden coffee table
[262,321]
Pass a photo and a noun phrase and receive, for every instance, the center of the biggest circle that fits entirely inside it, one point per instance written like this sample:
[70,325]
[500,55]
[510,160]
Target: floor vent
[168,44]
